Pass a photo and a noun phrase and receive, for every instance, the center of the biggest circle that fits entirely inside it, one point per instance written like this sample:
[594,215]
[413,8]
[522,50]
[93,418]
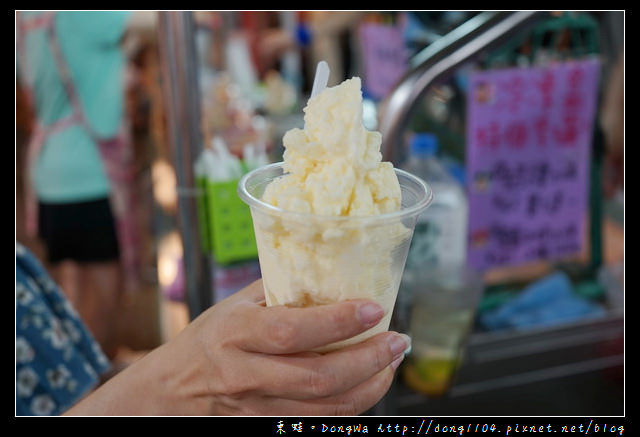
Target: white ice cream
[333,249]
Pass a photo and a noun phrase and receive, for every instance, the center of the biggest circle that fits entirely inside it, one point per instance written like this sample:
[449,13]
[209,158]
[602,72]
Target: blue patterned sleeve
[57,359]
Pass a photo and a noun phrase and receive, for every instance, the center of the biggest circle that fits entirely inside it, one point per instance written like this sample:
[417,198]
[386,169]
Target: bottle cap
[424,144]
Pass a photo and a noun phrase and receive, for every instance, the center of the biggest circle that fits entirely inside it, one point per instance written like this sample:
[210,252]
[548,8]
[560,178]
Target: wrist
[152,386]
[173,385]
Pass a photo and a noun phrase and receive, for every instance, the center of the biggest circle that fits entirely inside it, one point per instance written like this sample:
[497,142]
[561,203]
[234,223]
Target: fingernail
[369,313]
[407,351]
[399,344]
[396,363]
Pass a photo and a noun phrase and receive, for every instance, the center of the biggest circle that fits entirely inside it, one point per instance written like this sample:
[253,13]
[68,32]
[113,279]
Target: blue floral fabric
[57,359]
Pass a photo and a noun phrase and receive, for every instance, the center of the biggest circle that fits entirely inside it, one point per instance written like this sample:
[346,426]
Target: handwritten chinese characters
[528,145]
[384,57]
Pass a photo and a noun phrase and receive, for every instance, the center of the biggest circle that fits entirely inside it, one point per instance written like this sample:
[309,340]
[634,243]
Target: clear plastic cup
[309,260]
[444,303]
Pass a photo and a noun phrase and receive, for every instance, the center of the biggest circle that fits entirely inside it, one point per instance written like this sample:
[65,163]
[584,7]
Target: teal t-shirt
[69,167]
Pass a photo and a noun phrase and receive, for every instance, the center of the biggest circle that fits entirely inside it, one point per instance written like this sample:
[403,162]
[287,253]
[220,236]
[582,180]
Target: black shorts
[80,231]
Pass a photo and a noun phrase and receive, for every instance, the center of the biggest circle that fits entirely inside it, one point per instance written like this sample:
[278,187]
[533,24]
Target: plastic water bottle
[440,236]
[438,296]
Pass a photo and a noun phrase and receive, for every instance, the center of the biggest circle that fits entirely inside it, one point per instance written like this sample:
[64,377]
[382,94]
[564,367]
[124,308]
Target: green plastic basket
[230,228]
[203,220]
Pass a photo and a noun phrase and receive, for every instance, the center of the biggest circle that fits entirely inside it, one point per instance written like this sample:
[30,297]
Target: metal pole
[179,64]
[438,61]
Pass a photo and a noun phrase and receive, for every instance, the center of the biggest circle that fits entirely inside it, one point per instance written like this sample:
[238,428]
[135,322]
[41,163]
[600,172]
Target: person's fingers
[310,375]
[346,368]
[348,403]
[360,398]
[285,330]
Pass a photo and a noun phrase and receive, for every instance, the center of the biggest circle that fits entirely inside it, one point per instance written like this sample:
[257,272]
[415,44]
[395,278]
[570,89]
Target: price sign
[529,134]
[384,57]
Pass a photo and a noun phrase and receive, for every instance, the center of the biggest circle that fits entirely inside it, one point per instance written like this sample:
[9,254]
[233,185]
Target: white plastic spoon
[321,79]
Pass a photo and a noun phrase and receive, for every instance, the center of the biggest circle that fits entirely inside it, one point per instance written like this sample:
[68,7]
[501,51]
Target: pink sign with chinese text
[384,55]
[529,135]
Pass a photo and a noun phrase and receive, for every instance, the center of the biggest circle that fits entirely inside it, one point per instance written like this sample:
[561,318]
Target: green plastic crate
[203,220]
[230,228]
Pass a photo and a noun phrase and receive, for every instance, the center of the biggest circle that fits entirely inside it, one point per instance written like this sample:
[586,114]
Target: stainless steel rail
[179,63]
[437,62]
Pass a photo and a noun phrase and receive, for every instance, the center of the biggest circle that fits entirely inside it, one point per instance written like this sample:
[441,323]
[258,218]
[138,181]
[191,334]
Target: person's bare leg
[101,289]
[67,275]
